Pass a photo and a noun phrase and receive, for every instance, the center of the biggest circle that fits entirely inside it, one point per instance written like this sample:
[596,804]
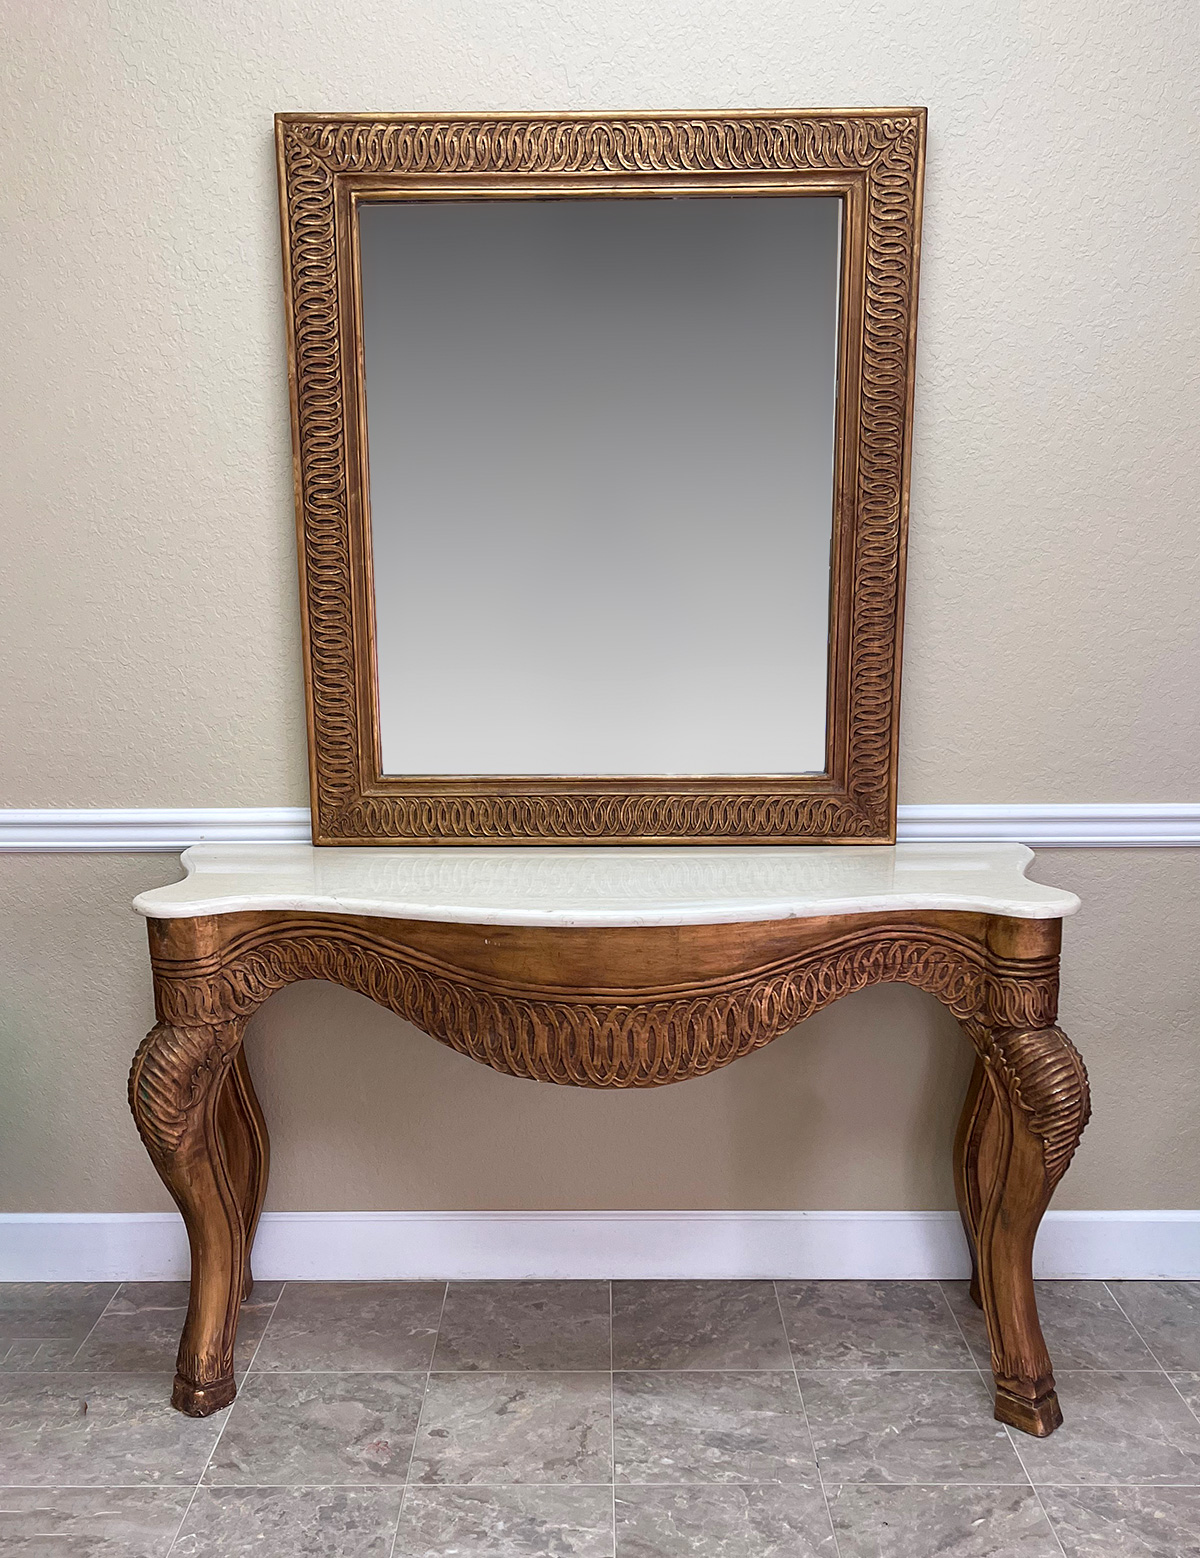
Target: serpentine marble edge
[616,886]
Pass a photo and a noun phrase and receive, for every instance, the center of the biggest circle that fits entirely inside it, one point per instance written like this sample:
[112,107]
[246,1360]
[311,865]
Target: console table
[617,967]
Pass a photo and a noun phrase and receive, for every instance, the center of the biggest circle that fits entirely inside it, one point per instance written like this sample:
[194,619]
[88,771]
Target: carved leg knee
[1016,1148]
[174,1091]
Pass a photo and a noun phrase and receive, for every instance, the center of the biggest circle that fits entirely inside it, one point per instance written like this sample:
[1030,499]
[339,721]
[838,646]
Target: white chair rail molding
[1091,825]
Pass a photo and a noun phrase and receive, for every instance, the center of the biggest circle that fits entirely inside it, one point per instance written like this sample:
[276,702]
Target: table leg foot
[202,1400]
[1039,1418]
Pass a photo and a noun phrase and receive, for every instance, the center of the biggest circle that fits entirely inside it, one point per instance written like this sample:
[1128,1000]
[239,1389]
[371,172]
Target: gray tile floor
[649,1419]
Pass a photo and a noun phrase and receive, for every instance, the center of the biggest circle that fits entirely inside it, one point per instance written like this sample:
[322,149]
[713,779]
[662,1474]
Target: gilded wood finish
[635,1007]
[328,164]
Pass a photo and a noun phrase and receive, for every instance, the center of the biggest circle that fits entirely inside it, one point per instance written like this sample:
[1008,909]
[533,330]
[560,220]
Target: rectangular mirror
[602,438]
[568,575]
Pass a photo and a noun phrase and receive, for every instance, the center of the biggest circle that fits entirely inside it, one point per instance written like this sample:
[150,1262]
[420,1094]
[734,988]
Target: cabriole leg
[247,1149]
[175,1091]
[966,1165]
[1018,1134]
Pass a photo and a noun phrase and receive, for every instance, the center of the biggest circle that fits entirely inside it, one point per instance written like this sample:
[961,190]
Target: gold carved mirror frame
[330,163]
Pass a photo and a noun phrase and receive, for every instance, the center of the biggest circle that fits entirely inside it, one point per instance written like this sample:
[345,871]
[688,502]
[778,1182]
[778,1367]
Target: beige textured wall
[149,630]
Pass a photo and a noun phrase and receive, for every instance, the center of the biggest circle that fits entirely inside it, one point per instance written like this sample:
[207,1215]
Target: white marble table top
[614,886]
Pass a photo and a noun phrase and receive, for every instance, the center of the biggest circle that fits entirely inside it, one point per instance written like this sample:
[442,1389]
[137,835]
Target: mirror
[615,557]
[602,431]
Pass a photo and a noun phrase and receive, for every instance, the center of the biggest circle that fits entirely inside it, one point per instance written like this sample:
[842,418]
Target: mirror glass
[601,473]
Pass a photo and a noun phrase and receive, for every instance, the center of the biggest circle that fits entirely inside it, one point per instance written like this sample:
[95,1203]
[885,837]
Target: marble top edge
[607,886]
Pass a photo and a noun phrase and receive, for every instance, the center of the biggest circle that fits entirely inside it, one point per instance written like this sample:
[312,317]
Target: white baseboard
[400,1246]
[141,830]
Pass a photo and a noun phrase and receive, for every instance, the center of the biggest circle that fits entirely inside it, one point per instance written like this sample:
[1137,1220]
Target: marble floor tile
[139,1332]
[1117,1428]
[290,1523]
[39,1357]
[1168,1316]
[1188,1386]
[773,1521]
[1081,1321]
[509,1447]
[318,1430]
[930,1522]
[373,1326]
[907,1427]
[91,1522]
[720,1427]
[524,1325]
[871,1325]
[697,1325]
[46,1311]
[1125,1522]
[506,1522]
[527,1427]
[99,1430]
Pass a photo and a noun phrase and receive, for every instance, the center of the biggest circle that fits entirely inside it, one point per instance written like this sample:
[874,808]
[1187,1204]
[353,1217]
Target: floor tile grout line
[1158,1363]
[95,1323]
[1010,1432]
[225,1424]
[873,1373]
[265,1329]
[187,1511]
[1154,1355]
[1007,1429]
[1037,1493]
[837,1546]
[958,1326]
[761,1482]
[41,1342]
[966,1343]
[404,1486]
[784,1368]
[1016,1449]
[612,1417]
[66,1369]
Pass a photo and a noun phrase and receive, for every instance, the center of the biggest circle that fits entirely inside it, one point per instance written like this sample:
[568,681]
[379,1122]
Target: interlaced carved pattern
[596,815]
[755,144]
[886,150]
[629,1039]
